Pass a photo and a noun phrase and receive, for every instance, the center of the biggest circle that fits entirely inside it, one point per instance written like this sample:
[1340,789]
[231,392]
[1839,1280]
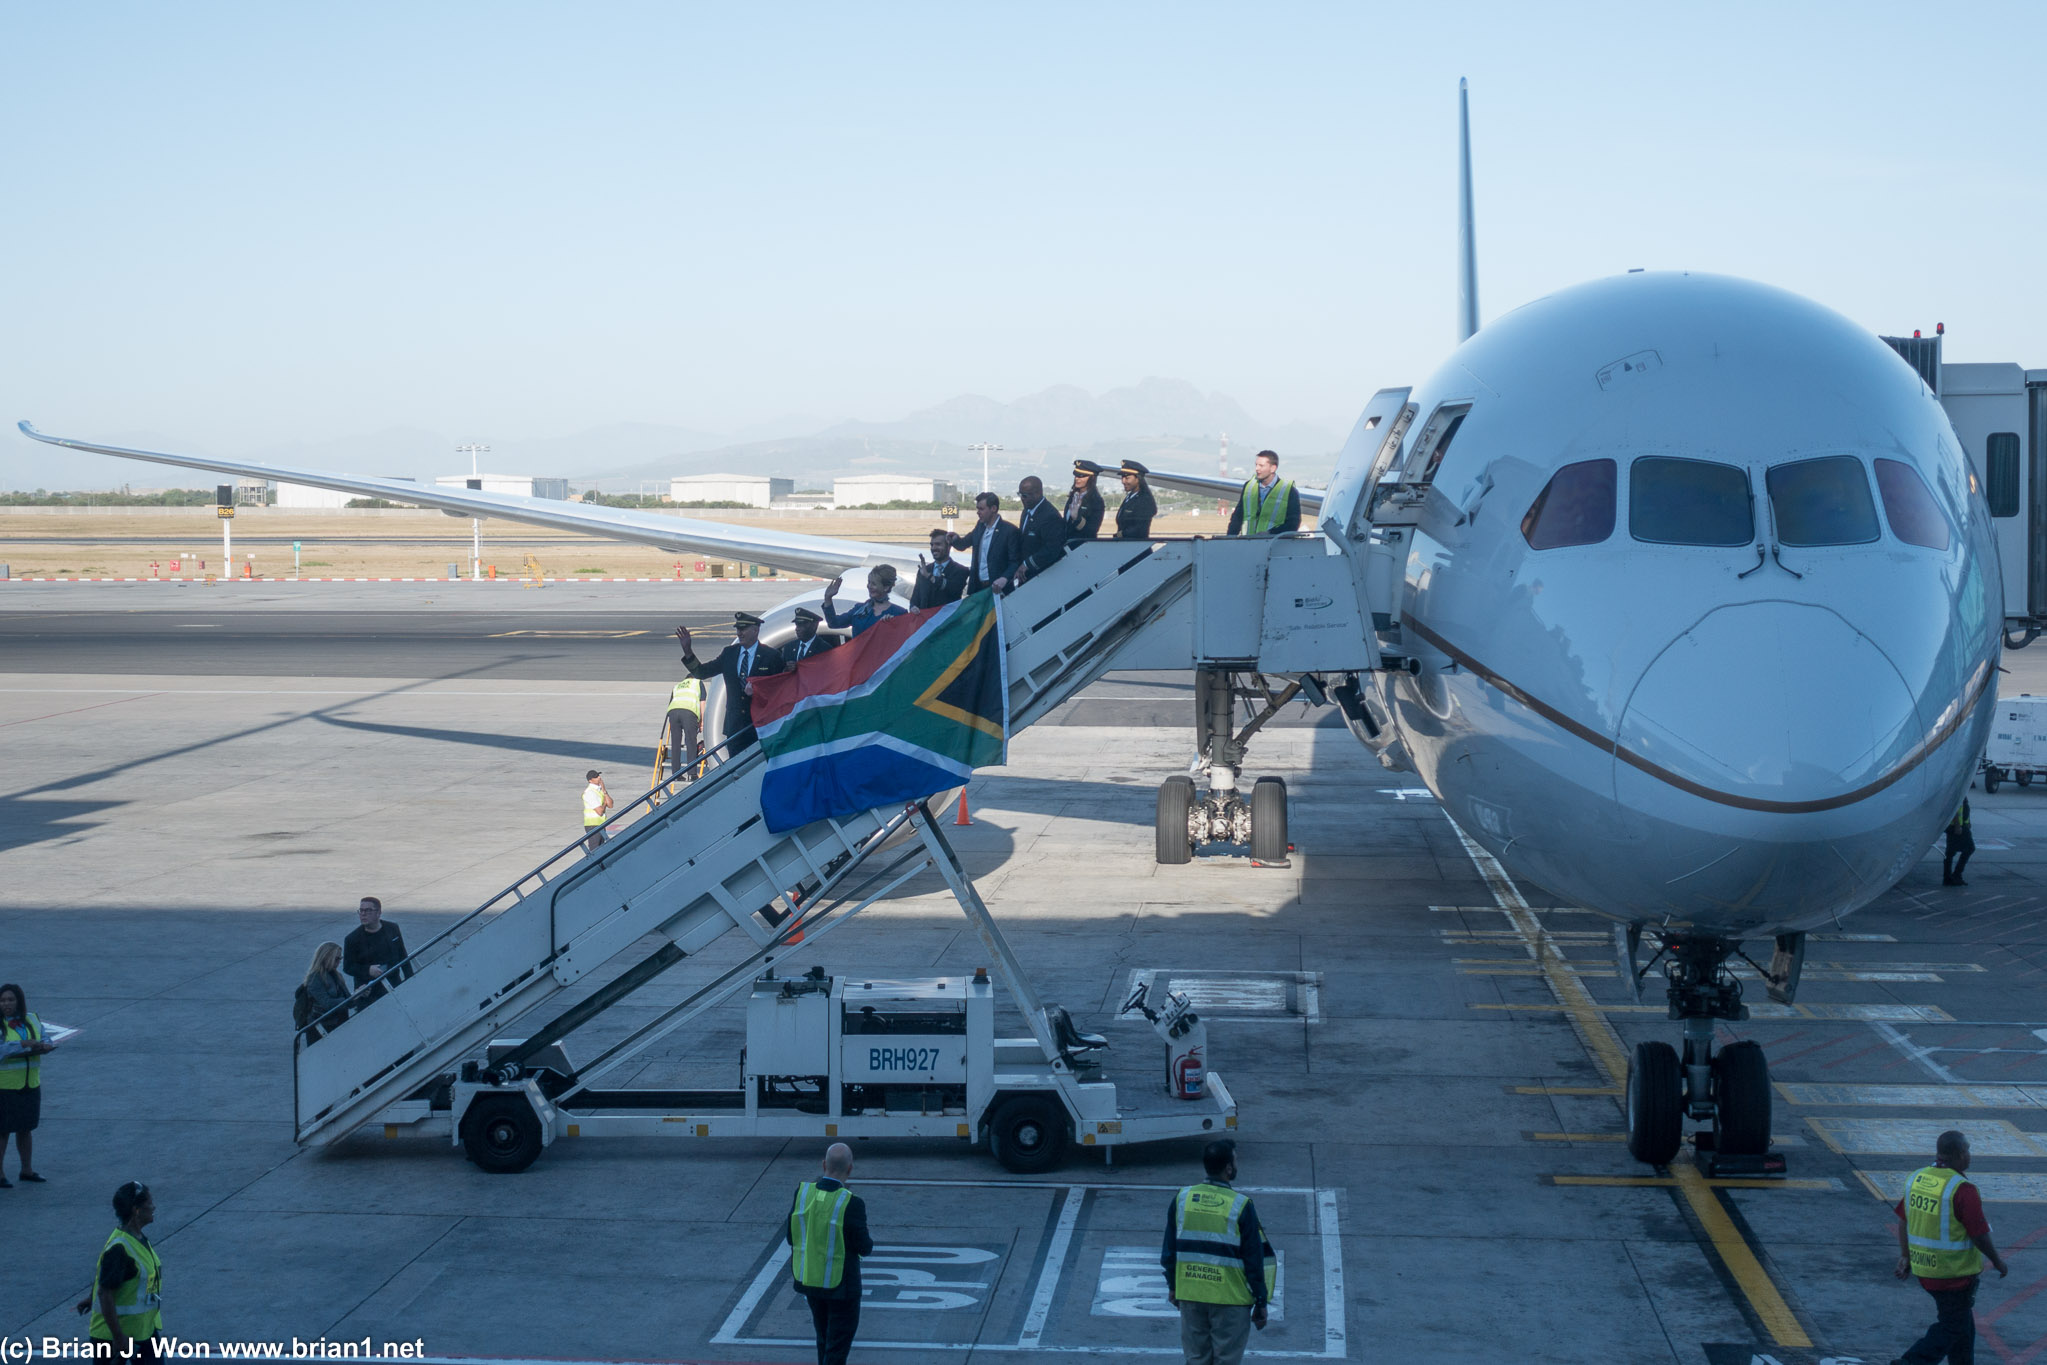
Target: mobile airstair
[692,861]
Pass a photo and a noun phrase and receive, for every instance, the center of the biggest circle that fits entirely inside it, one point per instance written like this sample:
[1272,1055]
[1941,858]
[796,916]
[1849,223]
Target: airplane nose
[1767,706]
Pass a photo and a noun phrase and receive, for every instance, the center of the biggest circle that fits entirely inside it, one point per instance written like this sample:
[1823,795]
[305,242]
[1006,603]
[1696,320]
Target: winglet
[1467,233]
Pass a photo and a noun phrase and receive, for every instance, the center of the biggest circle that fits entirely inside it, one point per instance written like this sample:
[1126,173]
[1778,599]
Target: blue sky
[231,225]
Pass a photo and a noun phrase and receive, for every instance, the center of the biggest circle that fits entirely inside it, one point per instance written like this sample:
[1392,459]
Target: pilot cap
[745,618]
[1133,467]
[1086,467]
[806,614]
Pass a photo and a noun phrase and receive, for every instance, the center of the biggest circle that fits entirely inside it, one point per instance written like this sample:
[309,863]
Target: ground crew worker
[126,1295]
[22,1046]
[1219,1270]
[685,724]
[828,1235]
[1269,505]
[1961,842]
[597,803]
[1943,1238]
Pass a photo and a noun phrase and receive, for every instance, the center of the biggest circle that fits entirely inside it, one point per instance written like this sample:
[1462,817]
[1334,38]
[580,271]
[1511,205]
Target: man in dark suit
[1042,529]
[808,641]
[827,1234]
[995,544]
[738,664]
[942,580]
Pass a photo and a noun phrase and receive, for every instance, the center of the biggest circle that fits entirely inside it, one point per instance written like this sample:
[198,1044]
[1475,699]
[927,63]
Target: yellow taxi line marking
[1564,1090]
[1776,1140]
[1604,1046]
[1665,1182]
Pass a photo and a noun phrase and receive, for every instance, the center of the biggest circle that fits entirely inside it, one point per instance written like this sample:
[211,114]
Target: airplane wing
[1227,489]
[789,551]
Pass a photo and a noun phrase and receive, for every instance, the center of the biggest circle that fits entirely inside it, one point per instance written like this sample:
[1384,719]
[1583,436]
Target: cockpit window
[1822,502]
[1574,508]
[1689,502]
[1915,517]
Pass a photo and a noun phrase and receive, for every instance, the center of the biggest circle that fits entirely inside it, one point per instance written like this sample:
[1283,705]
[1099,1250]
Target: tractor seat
[1072,1042]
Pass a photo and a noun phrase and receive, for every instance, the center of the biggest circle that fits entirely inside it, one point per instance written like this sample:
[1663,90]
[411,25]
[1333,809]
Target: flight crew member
[881,581]
[745,659]
[1084,506]
[1042,533]
[126,1295]
[597,803]
[1269,505]
[1961,842]
[827,1231]
[1219,1270]
[808,641]
[1134,514]
[996,545]
[685,725]
[940,579]
[1943,1238]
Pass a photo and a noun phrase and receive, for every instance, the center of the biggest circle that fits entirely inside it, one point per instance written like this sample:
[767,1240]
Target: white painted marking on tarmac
[1852,938]
[1132,1284]
[896,1277]
[728,1331]
[1409,793]
[1327,1223]
[1916,1055]
[1884,1137]
[1996,1187]
[1055,1266]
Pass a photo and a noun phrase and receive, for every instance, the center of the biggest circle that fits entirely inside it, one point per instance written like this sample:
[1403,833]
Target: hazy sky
[234,224]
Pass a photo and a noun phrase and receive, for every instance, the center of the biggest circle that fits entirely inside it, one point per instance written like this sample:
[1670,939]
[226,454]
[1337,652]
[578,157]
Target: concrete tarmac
[1424,1053]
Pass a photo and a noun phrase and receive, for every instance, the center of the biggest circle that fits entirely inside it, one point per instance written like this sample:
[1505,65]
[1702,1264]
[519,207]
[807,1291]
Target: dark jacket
[860,616]
[1134,515]
[767,661]
[1084,515]
[796,651]
[858,1243]
[361,951]
[316,995]
[1251,1248]
[1004,552]
[938,584]
[1044,536]
[1289,521]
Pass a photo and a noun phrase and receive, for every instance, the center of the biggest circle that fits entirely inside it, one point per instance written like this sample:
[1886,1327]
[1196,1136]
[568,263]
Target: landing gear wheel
[1268,820]
[1176,802]
[501,1133]
[1741,1100]
[1991,778]
[1028,1134]
[1655,1104]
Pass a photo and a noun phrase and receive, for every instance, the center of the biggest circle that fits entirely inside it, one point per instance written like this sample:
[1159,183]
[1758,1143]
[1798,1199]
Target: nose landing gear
[1187,818]
[1727,1089]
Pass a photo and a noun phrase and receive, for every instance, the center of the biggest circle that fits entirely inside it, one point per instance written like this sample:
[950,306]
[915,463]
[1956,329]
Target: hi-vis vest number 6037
[1940,1246]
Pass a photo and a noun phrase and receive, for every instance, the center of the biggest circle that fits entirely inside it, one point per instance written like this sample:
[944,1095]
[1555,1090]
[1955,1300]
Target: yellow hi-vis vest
[593,806]
[688,696]
[1207,1267]
[1940,1245]
[817,1236]
[1262,510]
[138,1304]
[23,1071]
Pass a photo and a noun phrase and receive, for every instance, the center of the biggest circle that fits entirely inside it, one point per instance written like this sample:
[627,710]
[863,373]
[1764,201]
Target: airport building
[751,490]
[305,495]
[520,485]
[862,490]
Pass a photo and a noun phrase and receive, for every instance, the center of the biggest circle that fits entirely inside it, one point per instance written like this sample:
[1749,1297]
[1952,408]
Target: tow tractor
[844,1056]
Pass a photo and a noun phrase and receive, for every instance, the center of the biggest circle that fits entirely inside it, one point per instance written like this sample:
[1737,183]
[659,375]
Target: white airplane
[1694,602]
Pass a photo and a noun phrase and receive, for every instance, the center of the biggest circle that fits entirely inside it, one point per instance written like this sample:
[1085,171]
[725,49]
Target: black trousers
[1960,844]
[739,741]
[835,1321]
[682,740]
[1953,1335]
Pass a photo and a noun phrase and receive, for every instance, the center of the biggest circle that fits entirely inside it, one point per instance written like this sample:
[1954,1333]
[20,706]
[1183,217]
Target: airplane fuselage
[1726,674]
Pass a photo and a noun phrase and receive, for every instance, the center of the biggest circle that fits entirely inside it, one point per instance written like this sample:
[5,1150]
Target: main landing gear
[1188,818]
[1728,1088]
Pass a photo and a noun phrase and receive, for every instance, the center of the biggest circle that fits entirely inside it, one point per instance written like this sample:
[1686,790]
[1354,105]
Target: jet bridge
[690,862]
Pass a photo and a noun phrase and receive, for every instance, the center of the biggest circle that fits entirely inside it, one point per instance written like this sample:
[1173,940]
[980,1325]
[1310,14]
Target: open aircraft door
[1377,554]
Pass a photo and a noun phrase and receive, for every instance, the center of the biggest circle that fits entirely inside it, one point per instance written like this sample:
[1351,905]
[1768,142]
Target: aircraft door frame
[1346,513]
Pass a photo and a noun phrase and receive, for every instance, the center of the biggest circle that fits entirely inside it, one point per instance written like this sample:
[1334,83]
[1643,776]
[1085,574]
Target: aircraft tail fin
[1467,236]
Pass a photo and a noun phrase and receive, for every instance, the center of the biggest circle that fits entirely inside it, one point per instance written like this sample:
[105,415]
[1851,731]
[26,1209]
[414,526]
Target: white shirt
[746,661]
[982,554]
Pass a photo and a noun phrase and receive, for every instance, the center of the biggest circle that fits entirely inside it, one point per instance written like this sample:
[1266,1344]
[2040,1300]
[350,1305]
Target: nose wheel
[1187,819]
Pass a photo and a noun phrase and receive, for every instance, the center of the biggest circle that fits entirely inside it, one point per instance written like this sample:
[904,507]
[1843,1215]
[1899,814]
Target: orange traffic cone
[796,907]
[963,818]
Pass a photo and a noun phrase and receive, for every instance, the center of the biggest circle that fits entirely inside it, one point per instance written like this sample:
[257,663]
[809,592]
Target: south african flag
[908,708]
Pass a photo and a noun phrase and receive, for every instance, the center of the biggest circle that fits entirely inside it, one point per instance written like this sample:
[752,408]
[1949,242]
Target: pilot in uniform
[1084,505]
[744,659]
[808,641]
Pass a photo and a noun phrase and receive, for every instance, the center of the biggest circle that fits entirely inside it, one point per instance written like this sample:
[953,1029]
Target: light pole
[475,523]
[984,448]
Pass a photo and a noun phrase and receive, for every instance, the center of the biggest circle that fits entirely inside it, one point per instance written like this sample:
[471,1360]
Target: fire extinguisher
[1187,1072]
